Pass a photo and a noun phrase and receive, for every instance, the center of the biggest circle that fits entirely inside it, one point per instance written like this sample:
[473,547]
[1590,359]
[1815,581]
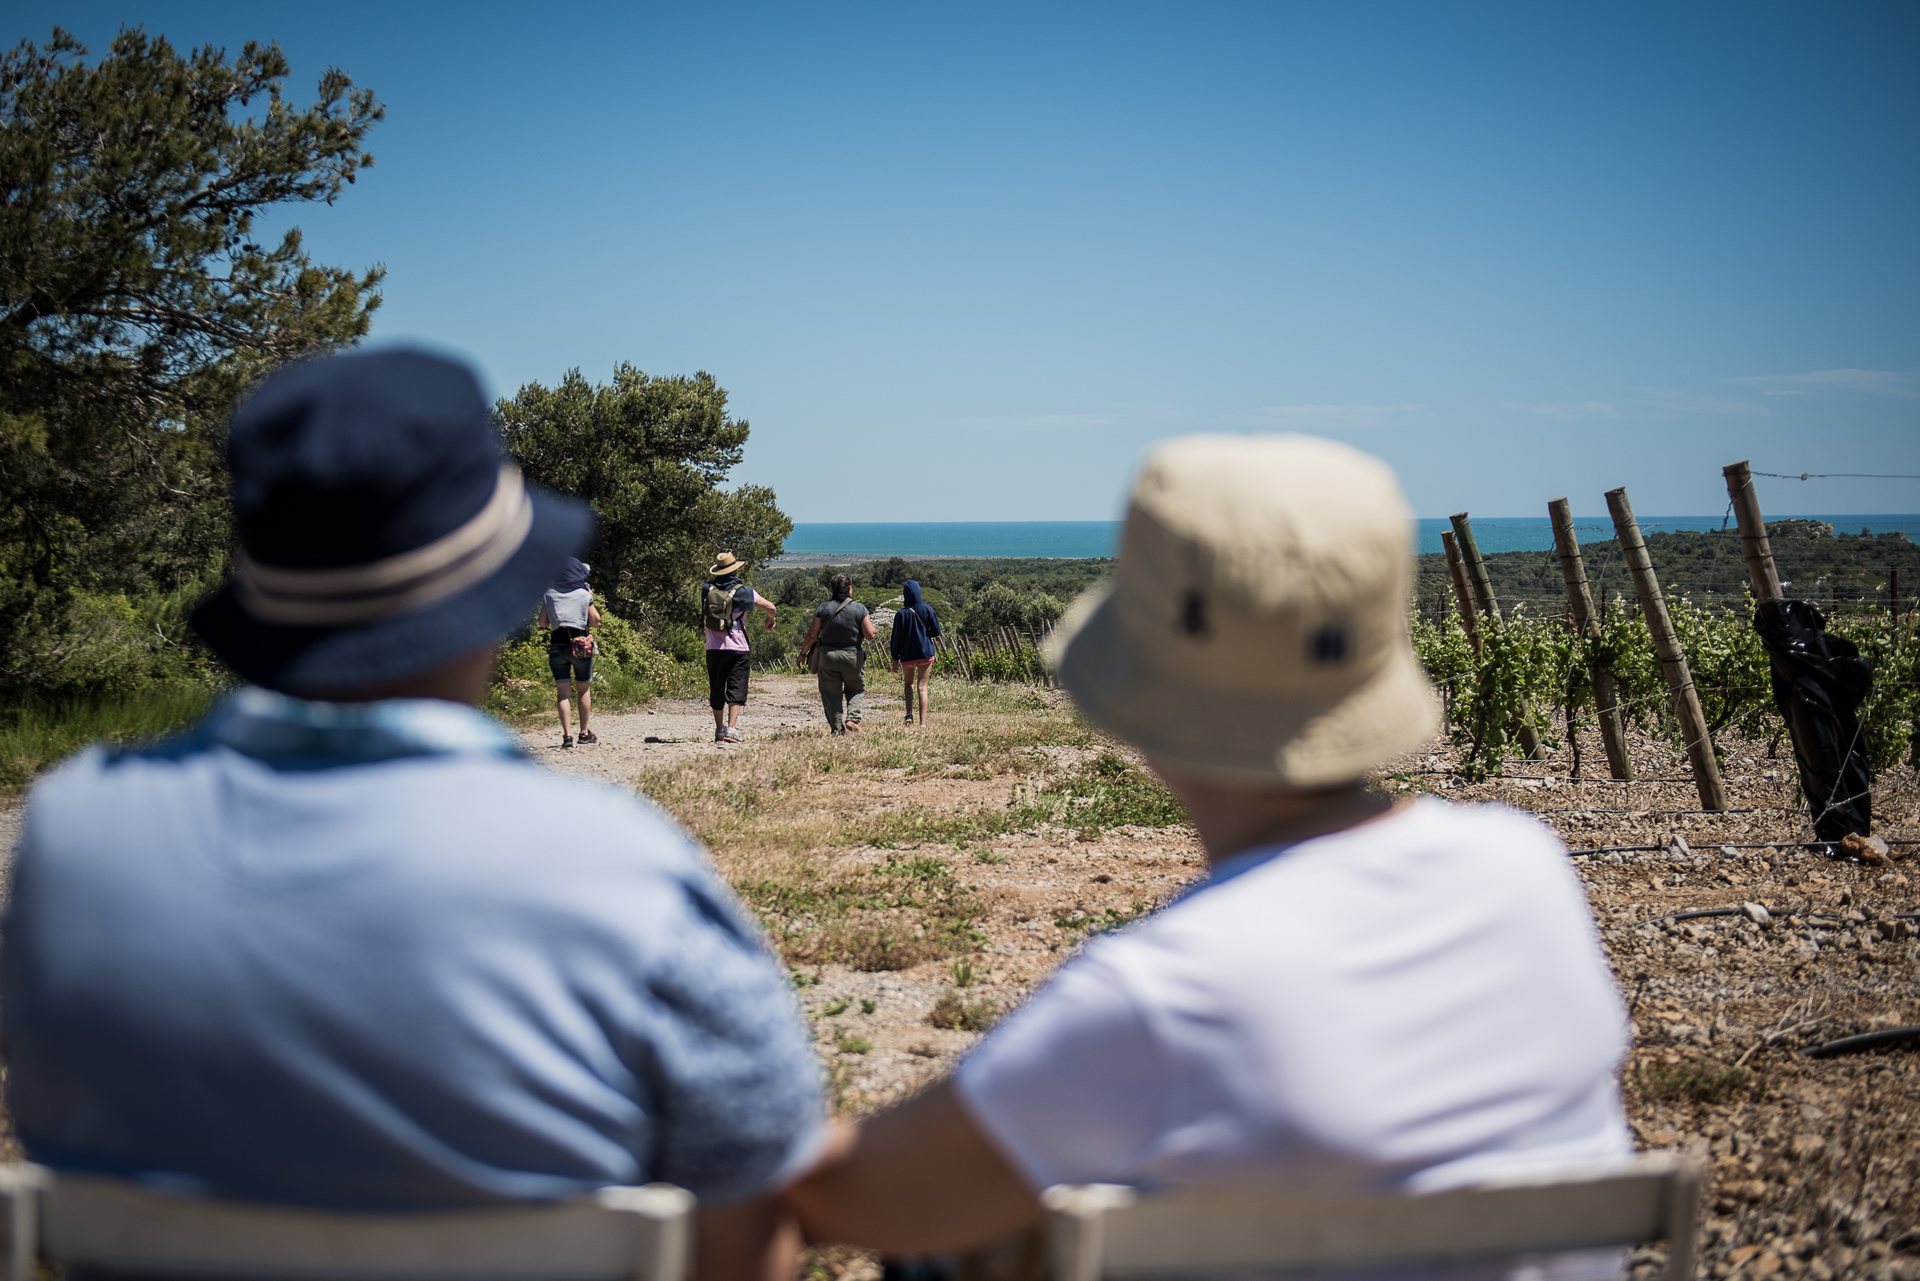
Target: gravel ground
[632,741]
[1813,1161]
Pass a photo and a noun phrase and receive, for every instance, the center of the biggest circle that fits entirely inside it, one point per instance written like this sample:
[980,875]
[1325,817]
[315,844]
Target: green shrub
[36,734]
[1890,718]
[112,647]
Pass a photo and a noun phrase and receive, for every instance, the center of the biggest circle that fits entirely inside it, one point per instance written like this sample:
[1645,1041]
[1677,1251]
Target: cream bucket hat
[1256,625]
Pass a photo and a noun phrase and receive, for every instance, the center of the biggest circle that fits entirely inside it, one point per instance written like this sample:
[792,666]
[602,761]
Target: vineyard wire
[1834,475]
[1725,845]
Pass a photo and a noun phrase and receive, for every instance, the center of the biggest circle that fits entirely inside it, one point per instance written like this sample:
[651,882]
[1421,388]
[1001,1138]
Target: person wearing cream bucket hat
[1362,994]
[1256,626]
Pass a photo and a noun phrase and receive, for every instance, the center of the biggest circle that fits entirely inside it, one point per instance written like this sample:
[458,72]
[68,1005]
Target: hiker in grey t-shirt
[835,654]
[568,611]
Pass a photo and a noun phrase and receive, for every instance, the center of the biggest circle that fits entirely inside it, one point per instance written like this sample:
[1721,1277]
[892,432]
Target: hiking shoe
[567,741]
[719,736]
[909,718]
[588,736]
[732,735]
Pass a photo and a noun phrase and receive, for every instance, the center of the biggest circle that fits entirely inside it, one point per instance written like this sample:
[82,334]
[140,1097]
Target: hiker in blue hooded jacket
[914,628]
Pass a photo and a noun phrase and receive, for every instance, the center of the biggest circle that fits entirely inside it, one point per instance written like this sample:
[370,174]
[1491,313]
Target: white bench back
[621,1234]
[1099,1230]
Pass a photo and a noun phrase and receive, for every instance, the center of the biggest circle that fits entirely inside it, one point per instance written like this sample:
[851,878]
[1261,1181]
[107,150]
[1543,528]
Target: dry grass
[955,1013]
[857,850]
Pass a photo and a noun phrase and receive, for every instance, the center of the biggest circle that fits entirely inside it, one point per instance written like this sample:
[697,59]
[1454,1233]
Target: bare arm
[544,620]
[761,602]
[916,1179]
[754,1240]
[593,615]
[867,629]
[813,633]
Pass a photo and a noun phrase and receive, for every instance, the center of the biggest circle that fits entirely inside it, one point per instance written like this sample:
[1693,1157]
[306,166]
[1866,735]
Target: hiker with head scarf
[568,611]
[914,627]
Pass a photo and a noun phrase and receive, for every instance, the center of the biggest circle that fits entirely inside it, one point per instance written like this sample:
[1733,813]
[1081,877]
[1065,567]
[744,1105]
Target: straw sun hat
[724,564]
[1256,625]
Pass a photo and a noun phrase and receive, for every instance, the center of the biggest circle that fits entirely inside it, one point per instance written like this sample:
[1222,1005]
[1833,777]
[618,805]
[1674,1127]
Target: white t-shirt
[1413,1004]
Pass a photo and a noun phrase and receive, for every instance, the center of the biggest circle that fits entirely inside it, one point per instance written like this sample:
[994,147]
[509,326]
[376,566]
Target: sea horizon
[1096,539]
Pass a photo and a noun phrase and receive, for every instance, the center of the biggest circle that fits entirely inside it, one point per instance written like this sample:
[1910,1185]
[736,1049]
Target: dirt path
[13,815]
[671,729]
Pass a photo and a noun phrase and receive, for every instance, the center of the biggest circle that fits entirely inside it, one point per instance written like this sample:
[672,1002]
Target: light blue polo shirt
[372,957]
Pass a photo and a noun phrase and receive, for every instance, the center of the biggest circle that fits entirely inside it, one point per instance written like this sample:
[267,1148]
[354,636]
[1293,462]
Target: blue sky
[965,262]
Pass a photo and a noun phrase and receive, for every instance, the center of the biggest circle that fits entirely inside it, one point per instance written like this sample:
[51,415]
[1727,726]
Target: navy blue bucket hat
[381,531]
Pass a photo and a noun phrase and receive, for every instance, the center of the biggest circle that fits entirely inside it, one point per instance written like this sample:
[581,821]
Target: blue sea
[1084,538]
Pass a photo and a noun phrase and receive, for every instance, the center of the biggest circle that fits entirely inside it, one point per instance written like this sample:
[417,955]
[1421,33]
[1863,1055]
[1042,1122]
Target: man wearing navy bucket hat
[320,948]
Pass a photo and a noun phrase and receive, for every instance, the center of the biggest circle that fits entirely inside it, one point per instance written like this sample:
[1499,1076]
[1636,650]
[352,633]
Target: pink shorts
[912,664]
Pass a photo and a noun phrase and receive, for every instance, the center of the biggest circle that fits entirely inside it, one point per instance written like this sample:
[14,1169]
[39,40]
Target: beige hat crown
[1256,624]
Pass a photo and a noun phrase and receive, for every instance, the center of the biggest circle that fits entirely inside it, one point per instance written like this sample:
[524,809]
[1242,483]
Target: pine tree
[137,303]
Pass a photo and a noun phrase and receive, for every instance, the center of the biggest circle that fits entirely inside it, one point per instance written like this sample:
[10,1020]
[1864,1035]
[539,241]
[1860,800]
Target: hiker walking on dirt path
[835,652]
[342,944]
[568,611]
[724,605]
[1364,995]
[915,626]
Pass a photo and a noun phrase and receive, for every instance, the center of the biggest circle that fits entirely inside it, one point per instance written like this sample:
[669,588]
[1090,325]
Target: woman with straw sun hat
[724,605]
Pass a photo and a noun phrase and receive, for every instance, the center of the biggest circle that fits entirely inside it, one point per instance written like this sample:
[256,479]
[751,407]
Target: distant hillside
[1823,566]
[1820,565]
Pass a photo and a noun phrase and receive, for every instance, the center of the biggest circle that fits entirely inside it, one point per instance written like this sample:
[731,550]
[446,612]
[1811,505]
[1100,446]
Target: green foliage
[1820,565]
[1537,668]
[650,454]
[110,646]
[1020,663]
[136,304]
[1626,647]
[998,605]
[1445,652]
[1729,666]
[1523,670]
[1890,718]
[950,585]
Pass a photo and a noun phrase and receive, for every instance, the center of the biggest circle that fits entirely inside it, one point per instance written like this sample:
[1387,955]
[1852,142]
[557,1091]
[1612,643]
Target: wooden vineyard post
[1673,661]
[1469,548]
[1476,568]
[1753,533]
[1462,594]
[1606,699]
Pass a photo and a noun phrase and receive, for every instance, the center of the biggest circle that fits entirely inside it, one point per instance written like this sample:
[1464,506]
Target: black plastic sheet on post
[1819,682]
